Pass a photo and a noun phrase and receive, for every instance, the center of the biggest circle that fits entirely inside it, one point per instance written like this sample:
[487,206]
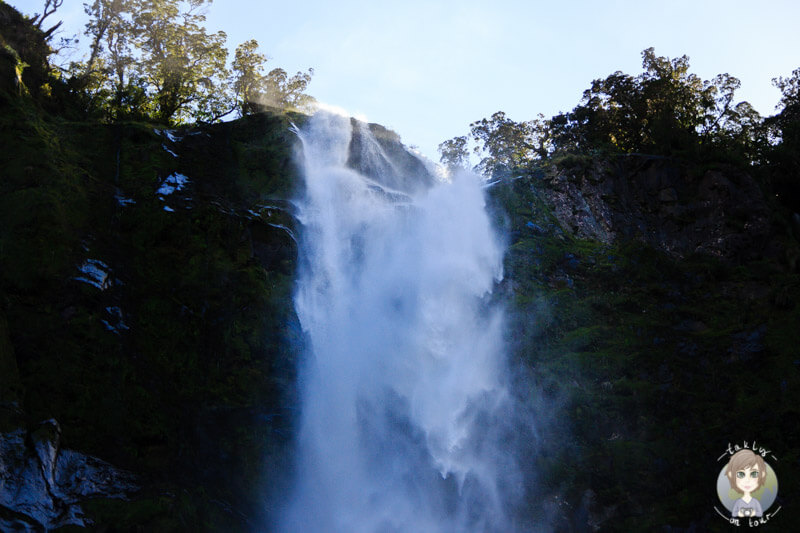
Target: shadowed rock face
[655,201]
[42,485]
[381,154]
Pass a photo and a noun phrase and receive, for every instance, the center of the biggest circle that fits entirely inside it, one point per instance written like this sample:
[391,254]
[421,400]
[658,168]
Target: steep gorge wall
[146,323]
[145,298]
[666,204]
[655,305]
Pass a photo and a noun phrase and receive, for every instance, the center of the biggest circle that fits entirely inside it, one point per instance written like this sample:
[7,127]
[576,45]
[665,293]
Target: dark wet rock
[591,516]
[668,195]
[746,344]
[689,349]
[43,485]
[692,326]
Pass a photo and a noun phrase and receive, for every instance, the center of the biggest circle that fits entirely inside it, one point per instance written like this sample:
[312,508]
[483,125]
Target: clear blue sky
[427,69]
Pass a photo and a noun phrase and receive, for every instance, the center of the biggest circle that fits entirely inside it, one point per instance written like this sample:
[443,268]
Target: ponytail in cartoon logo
[747,485]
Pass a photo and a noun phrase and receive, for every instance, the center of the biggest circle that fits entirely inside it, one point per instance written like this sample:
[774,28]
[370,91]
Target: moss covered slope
[145,281]
[654,360]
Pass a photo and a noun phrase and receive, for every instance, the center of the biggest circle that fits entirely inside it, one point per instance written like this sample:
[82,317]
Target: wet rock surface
[377,151]
[43,485]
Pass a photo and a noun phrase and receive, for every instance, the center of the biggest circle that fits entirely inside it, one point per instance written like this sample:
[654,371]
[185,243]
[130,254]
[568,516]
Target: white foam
[404,385]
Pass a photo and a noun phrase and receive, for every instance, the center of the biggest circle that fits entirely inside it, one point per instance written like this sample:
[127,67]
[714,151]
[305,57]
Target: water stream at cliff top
[404,400]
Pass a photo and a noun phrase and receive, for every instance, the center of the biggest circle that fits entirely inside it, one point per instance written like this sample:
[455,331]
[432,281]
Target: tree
[784,130]
[454,153]
[109,74]
[154,59]
[677,102]
[666,109]
[248,80]
[786,123]
[281,90]
[609,116]
[253,89]
[50,7]
[505,144]
[105,27]
[184,66]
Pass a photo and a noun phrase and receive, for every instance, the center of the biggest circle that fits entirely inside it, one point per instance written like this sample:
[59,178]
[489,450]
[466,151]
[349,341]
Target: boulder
[42,485]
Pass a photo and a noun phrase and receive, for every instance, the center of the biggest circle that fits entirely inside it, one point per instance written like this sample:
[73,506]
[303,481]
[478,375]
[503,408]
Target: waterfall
[405,405]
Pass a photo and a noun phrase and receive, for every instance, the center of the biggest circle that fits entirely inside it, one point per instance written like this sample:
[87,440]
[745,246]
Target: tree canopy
[783,130]
[154,59]
[664,110]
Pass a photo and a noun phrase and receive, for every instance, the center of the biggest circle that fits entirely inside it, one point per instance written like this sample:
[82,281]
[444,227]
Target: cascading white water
[403,393]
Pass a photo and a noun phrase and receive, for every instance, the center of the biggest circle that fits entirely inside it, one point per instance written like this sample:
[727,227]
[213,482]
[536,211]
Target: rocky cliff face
[145,285]
[382,154]
[665,204]
[643,293]
[145,305]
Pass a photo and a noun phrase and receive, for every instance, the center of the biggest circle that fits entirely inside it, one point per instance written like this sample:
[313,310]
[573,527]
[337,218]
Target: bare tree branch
[49,33]
[50,7]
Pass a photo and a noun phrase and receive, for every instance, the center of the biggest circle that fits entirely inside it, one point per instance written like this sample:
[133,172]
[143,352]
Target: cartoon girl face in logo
[746,473]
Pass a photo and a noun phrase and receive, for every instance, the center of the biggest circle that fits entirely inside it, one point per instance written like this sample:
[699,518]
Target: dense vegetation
[154,60]
[653,280]
[665,110]
[652,350]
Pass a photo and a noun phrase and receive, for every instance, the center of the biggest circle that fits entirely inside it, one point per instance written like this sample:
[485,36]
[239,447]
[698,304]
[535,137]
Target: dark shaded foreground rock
[43,485]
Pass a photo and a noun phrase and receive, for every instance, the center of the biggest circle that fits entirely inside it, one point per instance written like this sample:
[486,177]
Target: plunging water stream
[403,392]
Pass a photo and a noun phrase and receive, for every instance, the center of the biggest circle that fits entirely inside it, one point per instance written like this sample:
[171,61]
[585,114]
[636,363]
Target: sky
[427,69]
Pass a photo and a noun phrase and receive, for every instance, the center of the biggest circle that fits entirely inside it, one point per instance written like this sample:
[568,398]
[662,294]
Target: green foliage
[253,90]
[454,153]
[153,59]
[784,154]
[148,60]
[287,92]
[665,110]
[184,66]
[24,53]
[249,78]
[506,144]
